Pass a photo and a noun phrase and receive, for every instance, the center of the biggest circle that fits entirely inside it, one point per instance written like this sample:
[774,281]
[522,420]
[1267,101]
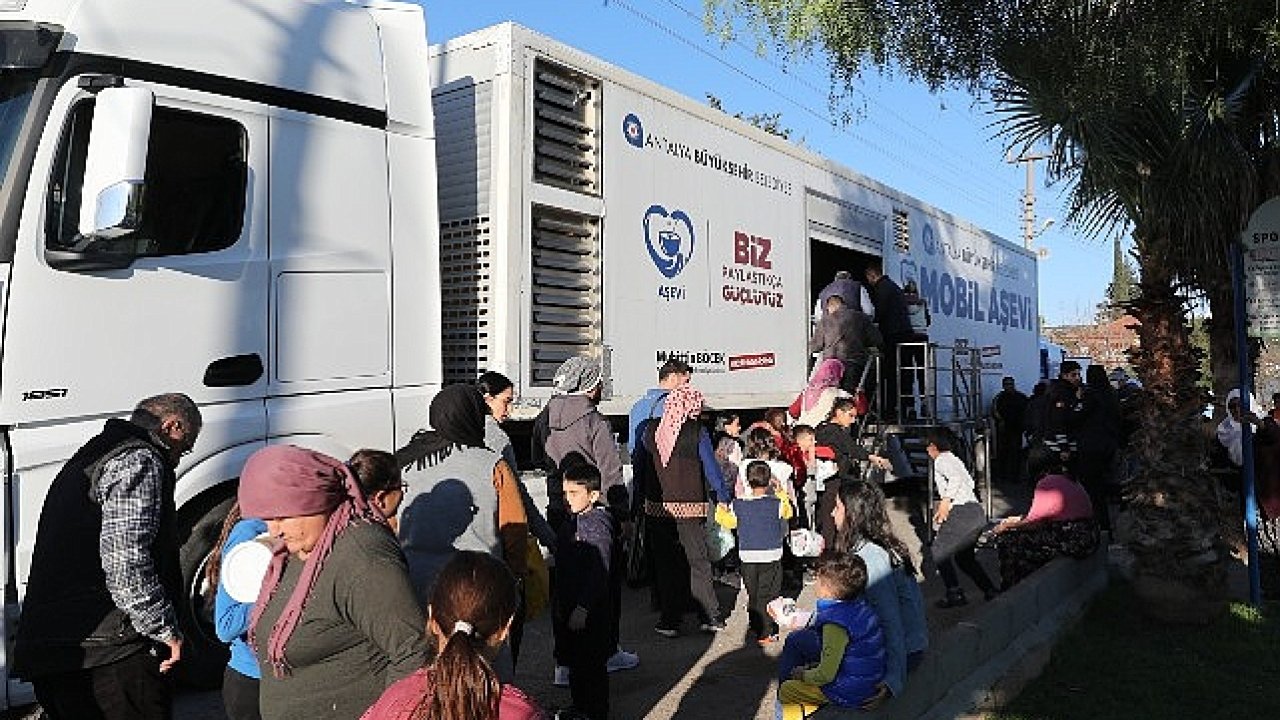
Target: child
[850,661]
[808,500]
[958,521]
[584,592]
[378,475]
[762,445]
[469,615]
[231,621]
[761,520]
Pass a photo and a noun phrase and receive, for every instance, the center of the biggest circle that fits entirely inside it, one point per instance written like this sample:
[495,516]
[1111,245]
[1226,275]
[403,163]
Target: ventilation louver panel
[565,306]
[902,232]
[466,290]
[566,138]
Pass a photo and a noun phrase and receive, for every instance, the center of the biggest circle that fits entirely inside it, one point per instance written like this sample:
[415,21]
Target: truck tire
[199,524]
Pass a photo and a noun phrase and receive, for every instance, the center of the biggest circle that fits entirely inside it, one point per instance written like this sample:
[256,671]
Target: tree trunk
[1222,339]
[1171,525]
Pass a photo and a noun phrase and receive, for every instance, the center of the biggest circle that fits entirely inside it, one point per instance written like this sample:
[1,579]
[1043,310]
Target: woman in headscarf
[813,405]
[336,621]
[1266,447]
[677,465]
[461,495]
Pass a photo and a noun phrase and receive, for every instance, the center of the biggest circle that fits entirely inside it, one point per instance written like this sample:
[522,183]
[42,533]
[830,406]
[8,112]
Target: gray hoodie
[576,425]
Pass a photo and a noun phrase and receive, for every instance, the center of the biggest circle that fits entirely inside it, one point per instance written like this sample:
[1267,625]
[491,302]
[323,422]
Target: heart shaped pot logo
[669,238]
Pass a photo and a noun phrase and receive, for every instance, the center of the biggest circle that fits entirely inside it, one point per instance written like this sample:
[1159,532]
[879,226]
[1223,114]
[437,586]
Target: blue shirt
[650,405]
[231,617]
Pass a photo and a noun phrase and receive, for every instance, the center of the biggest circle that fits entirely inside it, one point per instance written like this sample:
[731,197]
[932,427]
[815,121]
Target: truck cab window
[15,98]
[194,196]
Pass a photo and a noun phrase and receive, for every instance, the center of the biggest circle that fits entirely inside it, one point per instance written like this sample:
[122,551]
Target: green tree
[768,122]
[1162,117]
[1122,288]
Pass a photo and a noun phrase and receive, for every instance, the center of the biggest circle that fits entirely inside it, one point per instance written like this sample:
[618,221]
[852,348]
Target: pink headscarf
[283,481]
[681,404]
[826,374]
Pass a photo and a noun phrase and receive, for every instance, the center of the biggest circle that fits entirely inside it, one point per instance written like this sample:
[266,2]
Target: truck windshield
[16,89]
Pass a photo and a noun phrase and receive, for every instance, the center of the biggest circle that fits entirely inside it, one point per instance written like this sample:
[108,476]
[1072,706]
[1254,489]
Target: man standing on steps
[895,326]
[98,633]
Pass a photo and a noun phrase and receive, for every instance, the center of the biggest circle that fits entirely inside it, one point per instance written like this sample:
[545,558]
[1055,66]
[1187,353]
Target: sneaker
[561,678]
[712,625]
[767,640]
[666,630]
[622,660]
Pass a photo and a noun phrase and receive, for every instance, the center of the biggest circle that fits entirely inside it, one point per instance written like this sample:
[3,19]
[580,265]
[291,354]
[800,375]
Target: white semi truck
[237,199]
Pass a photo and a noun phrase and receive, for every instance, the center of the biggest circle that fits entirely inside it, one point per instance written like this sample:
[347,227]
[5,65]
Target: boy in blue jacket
[760,518]
[852,660]
[586,571]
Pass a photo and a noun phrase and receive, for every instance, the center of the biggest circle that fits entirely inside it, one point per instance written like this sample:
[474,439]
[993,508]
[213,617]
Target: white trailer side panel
[703,228]
[704,256]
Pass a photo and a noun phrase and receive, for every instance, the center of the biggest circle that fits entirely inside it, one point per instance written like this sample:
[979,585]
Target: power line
[955,165]
[895,157]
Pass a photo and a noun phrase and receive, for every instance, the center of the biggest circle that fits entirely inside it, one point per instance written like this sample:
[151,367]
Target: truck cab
[233,199]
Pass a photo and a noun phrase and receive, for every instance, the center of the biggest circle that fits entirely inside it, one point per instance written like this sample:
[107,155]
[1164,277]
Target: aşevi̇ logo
[632,130]
[669,238]
[928,240]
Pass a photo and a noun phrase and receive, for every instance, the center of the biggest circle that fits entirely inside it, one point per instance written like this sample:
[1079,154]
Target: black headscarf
[457,420]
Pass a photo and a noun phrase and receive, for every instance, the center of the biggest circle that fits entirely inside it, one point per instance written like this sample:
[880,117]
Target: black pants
[955,541]
[240,696]
[1093,470]
[128,689]
[586,653]
[826,506]
[764,582]
[1008,460]
[515,636]
[681,568]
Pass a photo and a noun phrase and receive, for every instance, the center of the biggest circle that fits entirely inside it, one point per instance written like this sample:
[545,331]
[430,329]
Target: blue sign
[669,238]
[632,130]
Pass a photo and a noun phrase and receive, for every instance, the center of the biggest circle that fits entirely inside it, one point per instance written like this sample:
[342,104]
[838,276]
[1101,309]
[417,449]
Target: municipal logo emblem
[669,238]
[632,130]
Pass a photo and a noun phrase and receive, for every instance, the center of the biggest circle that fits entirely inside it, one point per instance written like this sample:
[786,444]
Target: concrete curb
[984,662]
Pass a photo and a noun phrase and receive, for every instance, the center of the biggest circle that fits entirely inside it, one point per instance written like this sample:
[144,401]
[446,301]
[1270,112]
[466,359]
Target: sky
[940,147]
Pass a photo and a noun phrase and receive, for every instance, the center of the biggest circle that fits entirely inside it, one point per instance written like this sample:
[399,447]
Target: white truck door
[188,313]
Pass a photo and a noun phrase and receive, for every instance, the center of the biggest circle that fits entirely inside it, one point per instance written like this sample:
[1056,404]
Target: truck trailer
[585,209]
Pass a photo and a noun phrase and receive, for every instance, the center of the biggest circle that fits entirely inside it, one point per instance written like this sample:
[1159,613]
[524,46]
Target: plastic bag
[719,538]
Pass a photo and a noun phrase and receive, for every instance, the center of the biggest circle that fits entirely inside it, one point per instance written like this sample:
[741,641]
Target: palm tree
[1179,159]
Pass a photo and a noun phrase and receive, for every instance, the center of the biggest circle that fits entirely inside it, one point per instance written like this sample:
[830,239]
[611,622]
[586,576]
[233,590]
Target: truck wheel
[199,524]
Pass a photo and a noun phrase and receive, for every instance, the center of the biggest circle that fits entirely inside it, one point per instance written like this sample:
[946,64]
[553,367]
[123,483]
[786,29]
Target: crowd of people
[396,585]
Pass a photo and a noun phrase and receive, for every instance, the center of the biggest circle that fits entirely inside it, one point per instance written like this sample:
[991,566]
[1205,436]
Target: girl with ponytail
[468,617]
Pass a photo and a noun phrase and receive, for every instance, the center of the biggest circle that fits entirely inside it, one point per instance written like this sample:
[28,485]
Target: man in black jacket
[895,327]
[1009,409]
[99,631]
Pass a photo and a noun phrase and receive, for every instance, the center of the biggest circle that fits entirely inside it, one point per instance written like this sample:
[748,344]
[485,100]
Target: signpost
[1255,271]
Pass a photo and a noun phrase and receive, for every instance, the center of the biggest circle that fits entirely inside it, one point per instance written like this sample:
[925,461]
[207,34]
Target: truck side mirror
[112,191]
[116,163]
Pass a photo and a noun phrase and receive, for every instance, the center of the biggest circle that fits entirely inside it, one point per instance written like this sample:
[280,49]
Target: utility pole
[1029,231]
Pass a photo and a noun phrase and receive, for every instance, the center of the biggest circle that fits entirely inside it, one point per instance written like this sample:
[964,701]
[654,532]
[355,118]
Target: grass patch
[1117,663]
